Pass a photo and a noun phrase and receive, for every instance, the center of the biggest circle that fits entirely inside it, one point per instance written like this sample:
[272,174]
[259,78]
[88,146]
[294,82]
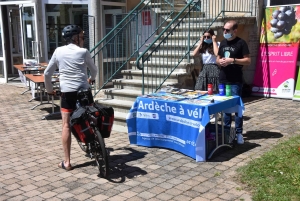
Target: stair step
[138,82]
[115,102]
[171,53]
[159,64]
[205,21]
[120,115]
[194,27]
[162,72]
[137,74]
[124,92]
[180,36]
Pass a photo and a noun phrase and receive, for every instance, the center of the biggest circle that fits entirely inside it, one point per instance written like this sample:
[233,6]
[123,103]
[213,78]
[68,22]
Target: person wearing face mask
[208,48]
[72,61]
[232,56]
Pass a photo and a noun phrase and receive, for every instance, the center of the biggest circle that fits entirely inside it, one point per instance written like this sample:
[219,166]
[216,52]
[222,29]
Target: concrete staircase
[124,92]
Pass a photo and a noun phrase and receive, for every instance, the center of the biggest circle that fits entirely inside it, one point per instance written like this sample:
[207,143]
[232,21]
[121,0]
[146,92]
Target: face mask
[227,35]
[208,41]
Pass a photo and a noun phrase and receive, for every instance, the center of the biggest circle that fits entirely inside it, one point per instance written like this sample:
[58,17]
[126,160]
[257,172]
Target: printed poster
[277,56]
[297,90]
[143,30]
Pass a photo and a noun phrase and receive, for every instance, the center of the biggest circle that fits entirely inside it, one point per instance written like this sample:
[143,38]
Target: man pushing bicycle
[72,61]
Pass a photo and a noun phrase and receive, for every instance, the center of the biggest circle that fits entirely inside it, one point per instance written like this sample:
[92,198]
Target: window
[57,17]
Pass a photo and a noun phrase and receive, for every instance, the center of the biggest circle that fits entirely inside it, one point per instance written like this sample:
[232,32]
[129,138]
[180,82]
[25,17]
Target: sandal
[62,165]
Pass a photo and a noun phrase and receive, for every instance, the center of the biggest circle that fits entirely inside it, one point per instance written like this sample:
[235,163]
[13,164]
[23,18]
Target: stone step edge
[139,72]
[135,82]
[128,92]
[114,102]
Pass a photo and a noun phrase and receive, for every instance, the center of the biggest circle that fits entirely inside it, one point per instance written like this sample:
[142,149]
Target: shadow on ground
[49,115]
[226,153]
[119,168]
[252,99]
[252,135]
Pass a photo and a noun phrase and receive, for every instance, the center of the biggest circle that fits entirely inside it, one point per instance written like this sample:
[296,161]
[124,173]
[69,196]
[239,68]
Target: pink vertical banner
[275,72]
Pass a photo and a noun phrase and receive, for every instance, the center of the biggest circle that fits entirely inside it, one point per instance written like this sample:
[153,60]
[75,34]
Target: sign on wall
[277,56]
[297,90]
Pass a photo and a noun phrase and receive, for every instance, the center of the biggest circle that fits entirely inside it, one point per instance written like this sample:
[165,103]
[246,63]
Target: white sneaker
[240,139]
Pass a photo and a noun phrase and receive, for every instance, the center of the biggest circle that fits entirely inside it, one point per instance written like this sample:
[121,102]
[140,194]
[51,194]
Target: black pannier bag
[105,119]
[80,126]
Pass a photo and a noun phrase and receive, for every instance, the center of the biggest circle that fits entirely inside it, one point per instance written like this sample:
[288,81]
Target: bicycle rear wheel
[101,155]
[82,146]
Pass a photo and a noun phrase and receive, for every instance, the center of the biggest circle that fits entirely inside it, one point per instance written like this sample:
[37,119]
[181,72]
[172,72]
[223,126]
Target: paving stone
[136,170]
[135,198]
[65,195]
[12,187]
[83,196]
[28,188]
[165,196]
[209,195]
[192,193]
[146,195]
[48,194]
[157,190]
[227,196]
[200,199]
[99,197]
[32,193]
[14,193]
[128,194]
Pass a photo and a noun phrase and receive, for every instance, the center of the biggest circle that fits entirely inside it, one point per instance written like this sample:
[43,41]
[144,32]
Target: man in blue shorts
[72,62]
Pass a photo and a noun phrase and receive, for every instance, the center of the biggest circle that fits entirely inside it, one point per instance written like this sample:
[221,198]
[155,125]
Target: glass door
[30,42]
[3,71]
[111,18]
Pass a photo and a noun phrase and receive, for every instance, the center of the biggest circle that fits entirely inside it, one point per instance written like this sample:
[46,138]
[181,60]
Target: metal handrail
[164,36]
[118,31]
[120,23]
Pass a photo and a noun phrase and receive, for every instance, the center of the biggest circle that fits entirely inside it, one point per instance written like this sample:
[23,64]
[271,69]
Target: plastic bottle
[221,89]
[210,89]
[228,90]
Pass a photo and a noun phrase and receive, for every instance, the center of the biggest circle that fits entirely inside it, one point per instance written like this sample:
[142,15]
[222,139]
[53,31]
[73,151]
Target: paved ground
[31,149]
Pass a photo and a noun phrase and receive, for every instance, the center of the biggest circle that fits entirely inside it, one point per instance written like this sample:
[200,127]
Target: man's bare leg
[66,138]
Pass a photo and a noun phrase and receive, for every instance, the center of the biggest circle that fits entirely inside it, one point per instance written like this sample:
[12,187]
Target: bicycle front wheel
[101,155]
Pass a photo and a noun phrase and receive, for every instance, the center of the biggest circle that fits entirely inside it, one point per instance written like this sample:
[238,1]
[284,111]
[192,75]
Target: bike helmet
[70,30]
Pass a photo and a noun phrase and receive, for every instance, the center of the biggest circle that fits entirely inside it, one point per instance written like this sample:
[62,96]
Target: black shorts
[69,99]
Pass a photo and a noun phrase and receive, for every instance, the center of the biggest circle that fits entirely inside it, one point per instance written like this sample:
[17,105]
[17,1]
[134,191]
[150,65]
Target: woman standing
[208,48]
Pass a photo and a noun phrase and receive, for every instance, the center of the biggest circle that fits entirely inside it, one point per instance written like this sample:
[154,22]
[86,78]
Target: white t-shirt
[72,62]
[208,58]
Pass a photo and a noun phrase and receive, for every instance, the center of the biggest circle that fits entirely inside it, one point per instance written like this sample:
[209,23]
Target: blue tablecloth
[177,125]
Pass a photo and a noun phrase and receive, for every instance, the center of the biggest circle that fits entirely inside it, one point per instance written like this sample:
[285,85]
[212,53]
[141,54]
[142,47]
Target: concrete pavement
[31,149]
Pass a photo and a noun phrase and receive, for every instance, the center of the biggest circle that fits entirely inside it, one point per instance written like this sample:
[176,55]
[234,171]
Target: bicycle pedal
[92,155]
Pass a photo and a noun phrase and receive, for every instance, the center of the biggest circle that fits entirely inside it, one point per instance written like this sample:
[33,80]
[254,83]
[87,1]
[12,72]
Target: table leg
[29,89]
[40,91]
[58,114]
[217,136]
[41,98]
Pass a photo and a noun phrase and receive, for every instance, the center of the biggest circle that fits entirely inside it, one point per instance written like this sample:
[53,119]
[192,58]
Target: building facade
[31,29]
